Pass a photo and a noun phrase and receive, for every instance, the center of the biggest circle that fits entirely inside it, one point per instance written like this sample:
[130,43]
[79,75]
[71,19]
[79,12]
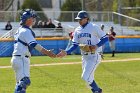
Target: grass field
[113,77]
[137,28]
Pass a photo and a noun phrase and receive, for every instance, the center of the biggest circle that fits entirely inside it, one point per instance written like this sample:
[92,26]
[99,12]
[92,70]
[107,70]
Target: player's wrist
[45,51]
[96,46]
[65,52]
[48,51]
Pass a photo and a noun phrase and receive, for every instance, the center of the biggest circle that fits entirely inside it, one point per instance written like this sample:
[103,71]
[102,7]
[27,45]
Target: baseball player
[112,37]
[24,43]
[89,37]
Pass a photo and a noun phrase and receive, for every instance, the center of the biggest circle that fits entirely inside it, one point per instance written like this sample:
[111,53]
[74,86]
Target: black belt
[88,53]
[100,53]
[20,55]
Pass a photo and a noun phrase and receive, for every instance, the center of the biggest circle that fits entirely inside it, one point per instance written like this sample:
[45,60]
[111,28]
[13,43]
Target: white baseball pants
[21,66]
[89,65]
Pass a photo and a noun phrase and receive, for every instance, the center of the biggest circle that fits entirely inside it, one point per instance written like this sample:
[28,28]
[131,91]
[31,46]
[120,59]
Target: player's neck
[84,25]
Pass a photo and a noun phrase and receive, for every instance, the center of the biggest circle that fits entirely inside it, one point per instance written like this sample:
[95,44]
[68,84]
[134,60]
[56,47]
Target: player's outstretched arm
[61,54]
[48,52]
[45,51]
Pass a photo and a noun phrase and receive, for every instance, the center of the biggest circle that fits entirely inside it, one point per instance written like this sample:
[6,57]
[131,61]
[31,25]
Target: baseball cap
[81,15]
[26,14]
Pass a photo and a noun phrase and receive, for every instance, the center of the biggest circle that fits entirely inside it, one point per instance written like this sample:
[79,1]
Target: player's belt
[87,53]
[20,55]
[90,53]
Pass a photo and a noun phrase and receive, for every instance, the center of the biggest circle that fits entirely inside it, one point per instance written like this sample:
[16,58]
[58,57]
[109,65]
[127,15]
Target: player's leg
[89,66]
[21,67]
[22,85]
[94,87]
[113,47]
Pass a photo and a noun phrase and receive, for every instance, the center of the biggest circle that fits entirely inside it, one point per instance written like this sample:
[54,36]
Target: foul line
[71,63]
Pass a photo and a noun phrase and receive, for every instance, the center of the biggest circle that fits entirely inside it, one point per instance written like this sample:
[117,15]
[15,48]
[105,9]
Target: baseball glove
[87,48]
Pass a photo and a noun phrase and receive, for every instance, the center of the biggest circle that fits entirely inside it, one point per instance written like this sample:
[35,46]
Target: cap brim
[78,18]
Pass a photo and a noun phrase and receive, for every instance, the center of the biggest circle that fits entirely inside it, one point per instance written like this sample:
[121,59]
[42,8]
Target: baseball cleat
[100,91]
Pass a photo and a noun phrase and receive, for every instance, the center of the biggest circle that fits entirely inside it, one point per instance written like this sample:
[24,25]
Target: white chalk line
[71,63]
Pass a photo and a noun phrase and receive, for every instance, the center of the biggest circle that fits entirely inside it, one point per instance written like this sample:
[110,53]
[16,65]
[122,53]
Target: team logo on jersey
[84,35]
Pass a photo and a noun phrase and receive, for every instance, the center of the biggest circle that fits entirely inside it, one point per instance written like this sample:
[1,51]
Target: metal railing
[50,32]
[9,34]
[125,20]
[40,32]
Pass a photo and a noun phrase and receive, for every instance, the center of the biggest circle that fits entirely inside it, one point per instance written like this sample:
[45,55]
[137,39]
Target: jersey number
[89,42]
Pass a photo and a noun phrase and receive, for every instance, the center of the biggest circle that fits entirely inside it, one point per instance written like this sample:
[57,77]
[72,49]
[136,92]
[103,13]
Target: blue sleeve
[103,41]
[73,47]
[33,45]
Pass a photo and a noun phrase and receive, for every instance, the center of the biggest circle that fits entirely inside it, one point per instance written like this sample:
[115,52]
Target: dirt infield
[70,63]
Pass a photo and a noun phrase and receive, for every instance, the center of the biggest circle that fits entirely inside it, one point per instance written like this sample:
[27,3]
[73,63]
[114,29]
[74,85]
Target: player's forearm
[45,51]
[41,49]
[73,47]
[112,36]
[103,41]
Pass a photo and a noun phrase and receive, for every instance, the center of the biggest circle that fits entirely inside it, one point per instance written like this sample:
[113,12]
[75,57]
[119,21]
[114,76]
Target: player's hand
[51,54]
[61,54]
[93,47]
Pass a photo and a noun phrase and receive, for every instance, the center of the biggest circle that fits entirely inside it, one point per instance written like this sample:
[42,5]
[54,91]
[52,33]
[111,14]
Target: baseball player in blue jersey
[24,43]
[89,37]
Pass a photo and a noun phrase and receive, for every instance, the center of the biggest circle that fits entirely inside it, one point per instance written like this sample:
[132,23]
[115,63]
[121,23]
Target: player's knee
[22,85]
[84,78]
[87,79]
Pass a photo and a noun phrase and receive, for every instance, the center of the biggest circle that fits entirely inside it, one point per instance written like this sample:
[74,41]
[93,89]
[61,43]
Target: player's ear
[88,19]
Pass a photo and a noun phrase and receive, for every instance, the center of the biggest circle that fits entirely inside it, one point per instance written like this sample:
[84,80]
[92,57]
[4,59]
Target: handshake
[50,53]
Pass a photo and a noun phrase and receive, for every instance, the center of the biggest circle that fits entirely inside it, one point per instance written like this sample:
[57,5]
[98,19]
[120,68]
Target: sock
[94,86]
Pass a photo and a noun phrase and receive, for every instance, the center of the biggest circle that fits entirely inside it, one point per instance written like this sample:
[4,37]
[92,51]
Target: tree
[70,5]
[33,4]
[116,6]
[99,5]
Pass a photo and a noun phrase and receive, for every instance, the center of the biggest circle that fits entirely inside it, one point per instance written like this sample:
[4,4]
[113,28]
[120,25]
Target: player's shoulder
[78,28]
[24,31]
[92,24]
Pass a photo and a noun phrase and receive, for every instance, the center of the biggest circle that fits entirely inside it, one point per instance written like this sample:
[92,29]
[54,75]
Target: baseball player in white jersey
[89,37]
[24,43]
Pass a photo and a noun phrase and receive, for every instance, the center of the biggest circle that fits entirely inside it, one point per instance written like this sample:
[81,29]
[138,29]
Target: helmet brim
[78,18]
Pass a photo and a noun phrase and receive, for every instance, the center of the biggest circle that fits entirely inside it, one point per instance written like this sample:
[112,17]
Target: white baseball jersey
[20,62]
[89,35]
[26,36]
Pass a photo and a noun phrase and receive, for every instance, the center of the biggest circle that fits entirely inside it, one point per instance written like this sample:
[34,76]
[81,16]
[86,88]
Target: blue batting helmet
[81,15]
[26,14]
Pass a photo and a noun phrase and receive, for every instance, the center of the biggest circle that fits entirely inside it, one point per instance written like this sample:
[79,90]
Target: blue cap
[81,15]
[26,14]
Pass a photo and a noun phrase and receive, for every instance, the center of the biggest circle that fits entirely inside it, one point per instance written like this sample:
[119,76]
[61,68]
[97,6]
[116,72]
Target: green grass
[137,28]
[114,77]
[5,61]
